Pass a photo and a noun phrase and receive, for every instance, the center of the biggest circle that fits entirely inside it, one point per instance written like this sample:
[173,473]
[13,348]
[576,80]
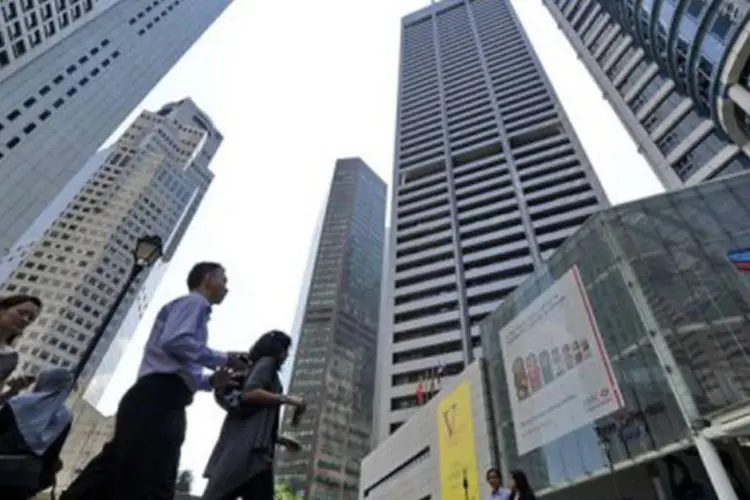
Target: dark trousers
[12,443]
[260,487]
[141,460]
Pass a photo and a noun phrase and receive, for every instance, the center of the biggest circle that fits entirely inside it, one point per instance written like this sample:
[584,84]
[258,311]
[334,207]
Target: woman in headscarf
[35,426]
[241,465]
[16,313]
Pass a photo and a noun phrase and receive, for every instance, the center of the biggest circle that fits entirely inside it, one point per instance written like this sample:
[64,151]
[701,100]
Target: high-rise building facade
[676,73]
[334,365]
[489,180]
[76,259]
[75,71]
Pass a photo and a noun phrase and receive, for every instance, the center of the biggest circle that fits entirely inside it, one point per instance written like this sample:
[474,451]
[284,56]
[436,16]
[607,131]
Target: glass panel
[675,281]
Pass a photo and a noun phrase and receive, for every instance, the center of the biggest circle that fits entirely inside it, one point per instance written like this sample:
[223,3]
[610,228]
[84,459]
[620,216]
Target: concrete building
[664,305]
[77,255]
[75,70]
[489,179]
[90,431]
[334,365]
[414,462]
[676,73]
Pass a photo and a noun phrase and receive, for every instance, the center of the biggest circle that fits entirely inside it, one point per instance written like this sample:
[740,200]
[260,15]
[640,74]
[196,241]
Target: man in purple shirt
[141,460]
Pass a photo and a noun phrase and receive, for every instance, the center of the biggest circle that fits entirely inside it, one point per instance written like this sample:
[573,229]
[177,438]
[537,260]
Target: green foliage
[284,492]
[184,482]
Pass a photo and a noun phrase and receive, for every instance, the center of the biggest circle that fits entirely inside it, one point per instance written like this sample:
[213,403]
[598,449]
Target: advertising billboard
[459,477]
[559,375]
[740,259]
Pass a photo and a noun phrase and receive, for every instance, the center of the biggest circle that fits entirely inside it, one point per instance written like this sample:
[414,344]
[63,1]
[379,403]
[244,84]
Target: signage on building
[459,477]
[558,372]
[741,261]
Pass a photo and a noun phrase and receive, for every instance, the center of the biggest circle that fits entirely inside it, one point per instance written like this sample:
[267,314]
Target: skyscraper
[75,70]
[676,73]
[77,256]
[489,179]
[334,367]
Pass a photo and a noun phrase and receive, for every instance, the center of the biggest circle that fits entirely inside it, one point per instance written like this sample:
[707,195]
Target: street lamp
[148,249]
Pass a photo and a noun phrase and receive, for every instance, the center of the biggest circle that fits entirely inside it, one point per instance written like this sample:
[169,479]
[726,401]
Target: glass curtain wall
[674,314]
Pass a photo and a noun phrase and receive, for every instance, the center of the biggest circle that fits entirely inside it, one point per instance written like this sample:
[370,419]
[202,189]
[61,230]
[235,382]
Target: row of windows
[37,25]
[629,72]
[31,101]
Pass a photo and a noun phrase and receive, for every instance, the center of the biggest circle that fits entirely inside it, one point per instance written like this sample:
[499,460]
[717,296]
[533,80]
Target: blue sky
[293,86]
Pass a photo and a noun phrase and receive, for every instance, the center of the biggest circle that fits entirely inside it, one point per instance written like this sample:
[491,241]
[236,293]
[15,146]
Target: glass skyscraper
[334,365]
[676,73]
[77,256]
[70,72]
[489,180]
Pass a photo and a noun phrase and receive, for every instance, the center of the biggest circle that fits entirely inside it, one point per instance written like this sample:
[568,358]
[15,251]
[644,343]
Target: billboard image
[459,478]
[558,372]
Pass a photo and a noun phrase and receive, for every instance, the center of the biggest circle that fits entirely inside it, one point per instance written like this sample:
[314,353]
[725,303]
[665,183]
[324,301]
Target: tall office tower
[489,180]
[334,368]
[676,73]
[75,70]
[77,257]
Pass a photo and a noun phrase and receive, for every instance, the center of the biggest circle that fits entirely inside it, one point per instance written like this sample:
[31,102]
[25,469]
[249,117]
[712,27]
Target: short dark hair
[493,470]
[200,272]
[270,344]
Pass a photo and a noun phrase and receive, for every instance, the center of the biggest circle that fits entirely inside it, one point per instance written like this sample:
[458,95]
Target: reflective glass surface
[664,293]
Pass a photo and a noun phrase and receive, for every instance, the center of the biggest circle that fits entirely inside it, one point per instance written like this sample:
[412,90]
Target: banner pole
[715,470]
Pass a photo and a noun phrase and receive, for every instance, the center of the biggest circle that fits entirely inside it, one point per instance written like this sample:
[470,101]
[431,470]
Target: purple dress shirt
[177,343]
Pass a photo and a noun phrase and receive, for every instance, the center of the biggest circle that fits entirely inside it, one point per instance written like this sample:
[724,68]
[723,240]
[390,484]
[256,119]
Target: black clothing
[141,460]
[13,443]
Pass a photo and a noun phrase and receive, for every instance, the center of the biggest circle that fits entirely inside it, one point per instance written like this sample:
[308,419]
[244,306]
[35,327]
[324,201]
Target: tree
[184,481]
[284,492]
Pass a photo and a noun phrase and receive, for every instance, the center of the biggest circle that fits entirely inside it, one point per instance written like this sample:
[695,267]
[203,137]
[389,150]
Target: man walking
[141,460]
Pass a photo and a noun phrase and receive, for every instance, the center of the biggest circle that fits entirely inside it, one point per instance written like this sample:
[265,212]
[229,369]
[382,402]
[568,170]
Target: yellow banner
[459,478]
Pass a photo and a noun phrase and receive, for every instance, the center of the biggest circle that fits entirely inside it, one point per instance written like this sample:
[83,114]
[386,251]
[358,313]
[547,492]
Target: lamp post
[148,249]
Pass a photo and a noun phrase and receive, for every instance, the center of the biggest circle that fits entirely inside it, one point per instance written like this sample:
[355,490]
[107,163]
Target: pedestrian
[241,465]
[497,491]
[16,313]
[140,461]
[519,486]
[33,429]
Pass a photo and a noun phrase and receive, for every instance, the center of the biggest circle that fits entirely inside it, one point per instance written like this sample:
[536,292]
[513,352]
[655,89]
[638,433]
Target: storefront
[622,368]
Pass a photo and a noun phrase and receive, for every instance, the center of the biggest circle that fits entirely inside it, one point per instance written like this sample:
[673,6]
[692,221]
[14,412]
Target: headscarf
[41,415]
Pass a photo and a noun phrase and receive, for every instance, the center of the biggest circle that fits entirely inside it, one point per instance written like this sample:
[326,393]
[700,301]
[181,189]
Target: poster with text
[459,476]
[559,375]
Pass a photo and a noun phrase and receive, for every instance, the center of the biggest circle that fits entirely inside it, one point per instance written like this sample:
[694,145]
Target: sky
[293,86]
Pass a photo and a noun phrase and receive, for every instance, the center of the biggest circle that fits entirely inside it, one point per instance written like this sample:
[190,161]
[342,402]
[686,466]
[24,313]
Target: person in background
[35,426]
[141,459]
[519,486]
[497,491]
[241,465]
[16,313]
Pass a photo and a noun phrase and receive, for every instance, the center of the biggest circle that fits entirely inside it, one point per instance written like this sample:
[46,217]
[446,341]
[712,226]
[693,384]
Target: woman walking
[16,313]
[241,465]
[519,486]
[34,427]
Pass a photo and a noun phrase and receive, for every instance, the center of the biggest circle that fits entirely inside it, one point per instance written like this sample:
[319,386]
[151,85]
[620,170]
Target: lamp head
[148,249]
